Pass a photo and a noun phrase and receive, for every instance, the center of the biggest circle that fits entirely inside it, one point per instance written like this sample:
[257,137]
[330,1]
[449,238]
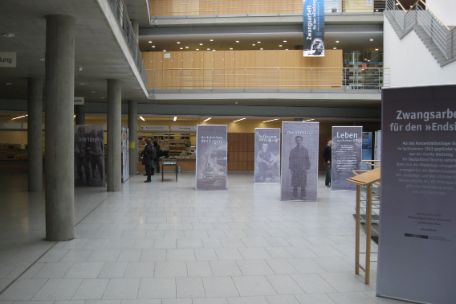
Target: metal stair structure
[438,38]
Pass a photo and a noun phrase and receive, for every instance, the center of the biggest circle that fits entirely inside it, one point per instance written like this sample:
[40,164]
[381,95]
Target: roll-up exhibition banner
[299,176]
[89,156]
[267,155]
[125,156]
[417,246]
[314,28]
[346,155]
[378,145]
[211,157]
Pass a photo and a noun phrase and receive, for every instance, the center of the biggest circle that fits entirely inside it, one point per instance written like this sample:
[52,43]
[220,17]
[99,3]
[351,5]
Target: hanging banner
[314,28]
[211,157]
[378,145]
[366,150]
[7,59]
[267,155]
[300,142]
[125,156]
[418,211]
[89,156]
[346,155]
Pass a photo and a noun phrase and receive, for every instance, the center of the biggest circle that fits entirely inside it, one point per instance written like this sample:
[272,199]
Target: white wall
[445,10]
[409,63]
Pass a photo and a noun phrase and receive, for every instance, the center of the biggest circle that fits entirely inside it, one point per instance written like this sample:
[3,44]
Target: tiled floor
[167,243]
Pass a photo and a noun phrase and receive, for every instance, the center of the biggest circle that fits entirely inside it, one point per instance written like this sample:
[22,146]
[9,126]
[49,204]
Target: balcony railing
[280,78]
[194,8]
[119,9]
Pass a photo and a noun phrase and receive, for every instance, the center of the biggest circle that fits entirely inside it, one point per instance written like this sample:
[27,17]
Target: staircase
[439,39]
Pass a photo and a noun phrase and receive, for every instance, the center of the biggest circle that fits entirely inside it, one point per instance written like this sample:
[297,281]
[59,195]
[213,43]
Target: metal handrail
[442,36]
[271,78]
[269,7]
[119,9]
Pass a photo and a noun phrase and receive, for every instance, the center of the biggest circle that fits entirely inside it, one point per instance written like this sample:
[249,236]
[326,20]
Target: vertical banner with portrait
[417,249]
[346,155]
[300,143]
[267,155]
[314,28]
[367,150]
[89,156]
[211,157]
[125,156]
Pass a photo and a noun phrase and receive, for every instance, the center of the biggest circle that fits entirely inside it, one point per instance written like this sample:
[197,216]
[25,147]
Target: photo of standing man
[298,164]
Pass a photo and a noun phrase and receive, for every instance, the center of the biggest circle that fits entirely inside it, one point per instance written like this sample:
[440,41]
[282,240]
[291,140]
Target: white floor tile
[120,289]
[219,287]
[58,289]
[158,288]
[189,288]
[253,286]
[91,289]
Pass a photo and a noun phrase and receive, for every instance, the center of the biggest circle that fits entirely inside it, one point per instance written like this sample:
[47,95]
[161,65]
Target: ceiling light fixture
[208,49]
[201,43]
[175,118]
[19,117]
[81,68]
[8,35]
[153,46]
[259,42]
[261,49]
[42,59]
[253,44]
[270,120]
[211,40]
[213,50]
[238,120]
[181,48]
[178,42]
[164,51]
[237,41]
[231,49]
[207,119]
[309,120]
[334,48]
[285,41]
[150,41]
[93,92]
[286,49]
[142,118]
[337,41]
[8,83]
[371,39]
[197,49]
[280,45]
[376,50]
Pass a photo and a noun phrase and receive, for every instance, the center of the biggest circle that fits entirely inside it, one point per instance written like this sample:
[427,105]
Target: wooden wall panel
[243,70]
[240,151]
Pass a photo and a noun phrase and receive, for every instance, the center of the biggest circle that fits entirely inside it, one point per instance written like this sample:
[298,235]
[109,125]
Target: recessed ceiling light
[207,119]
[261,49]
[280,45]
[153,46]
[142,118]
[93,92]
[164,51]
[334,48]
[102,97]
[8,83]
[197,49]
[285,41]
[237,41]
[259,42]
[213,50]
[181,48]
[286,49]
[150,41]
[187,47]
[42,59]
[376,50]
[8,35]
[175,118]
[236,102]
[253,44]
[82,83]
[178,42]
[371,39]
[208,49]
[211,40]
[81,68]
[201,43]
[231,49]
[240,119]
[337,41]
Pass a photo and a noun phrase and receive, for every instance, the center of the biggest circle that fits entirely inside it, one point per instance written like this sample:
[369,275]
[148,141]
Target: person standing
[299,163]
[157,155]
[327,154]
[148,157]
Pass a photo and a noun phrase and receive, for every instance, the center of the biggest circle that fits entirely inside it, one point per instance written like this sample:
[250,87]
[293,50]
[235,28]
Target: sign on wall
[125,156]
[7,60]
[89,155]
[418,211]
[299,160]
[211,157]
[367,150]
[314,28]
[267,155]
[346,155]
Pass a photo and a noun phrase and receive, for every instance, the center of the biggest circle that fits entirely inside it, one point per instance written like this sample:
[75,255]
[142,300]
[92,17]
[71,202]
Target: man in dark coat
[148,157]
[327,154]
[299,163]
[157,155]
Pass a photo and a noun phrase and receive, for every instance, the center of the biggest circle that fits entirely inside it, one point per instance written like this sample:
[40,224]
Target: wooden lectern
[367,179]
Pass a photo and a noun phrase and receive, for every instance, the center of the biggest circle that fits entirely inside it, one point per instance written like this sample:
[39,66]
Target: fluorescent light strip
[271,120]
[207,119]
[308,120]
[142,118]
[19,117]
[240,119]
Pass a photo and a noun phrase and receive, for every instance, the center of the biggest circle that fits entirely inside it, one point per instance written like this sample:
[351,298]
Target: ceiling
[98,54]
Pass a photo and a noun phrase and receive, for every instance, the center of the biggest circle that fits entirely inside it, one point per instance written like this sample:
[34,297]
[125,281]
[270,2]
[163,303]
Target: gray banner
[346,155]
[89,156]
[211,157]
[125,156]
[300,160]
[267,155]
[418,212]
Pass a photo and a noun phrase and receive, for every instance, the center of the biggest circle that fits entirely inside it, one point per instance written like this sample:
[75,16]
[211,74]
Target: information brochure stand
[366,179]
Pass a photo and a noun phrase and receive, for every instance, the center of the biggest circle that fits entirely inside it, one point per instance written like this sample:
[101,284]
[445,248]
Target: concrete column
[60,49]
[80,114]
[114,135]
[135,26]
[34,135]
[133,135]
